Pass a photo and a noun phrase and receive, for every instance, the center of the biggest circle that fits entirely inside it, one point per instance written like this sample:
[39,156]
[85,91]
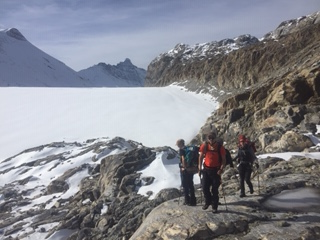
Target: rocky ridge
[267,88]
[233,66]
[104,204]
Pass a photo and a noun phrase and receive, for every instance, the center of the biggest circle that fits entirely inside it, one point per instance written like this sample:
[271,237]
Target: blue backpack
[191,157]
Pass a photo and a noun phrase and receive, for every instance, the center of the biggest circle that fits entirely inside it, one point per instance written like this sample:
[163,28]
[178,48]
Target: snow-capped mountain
[186,52]
[124,74]
[24,65]
[293,25]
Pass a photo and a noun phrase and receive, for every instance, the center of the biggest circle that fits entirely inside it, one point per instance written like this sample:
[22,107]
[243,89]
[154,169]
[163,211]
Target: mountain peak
[14,33]
[126,62]
[124,74]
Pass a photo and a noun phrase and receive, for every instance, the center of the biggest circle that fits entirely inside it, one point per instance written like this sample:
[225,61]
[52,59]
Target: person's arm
[200,160]
[183,161]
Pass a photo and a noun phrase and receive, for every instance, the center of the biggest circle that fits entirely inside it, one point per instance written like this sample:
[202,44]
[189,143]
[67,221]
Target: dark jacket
[245,155]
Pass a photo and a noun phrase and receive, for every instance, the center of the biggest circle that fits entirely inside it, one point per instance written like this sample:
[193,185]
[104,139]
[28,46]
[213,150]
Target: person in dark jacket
[186,176]
[245,158]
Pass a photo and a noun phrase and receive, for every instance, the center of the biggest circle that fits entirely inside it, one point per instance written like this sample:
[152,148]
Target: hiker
[186,176]
[245,157]
[213,158]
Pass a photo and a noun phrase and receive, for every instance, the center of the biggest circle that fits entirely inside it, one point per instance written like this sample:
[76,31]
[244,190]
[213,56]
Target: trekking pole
[258,176]
[200,187]
[258,183]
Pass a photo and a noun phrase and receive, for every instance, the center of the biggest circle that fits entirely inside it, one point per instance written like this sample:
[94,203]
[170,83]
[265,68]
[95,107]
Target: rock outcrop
[107,206]
[241,62]
[267,89]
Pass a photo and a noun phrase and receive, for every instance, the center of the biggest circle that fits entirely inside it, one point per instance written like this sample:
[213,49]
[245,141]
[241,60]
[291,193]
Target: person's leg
[206,183]
[215,191]
[248,178]
[184,179]
[193,201]
[242,172]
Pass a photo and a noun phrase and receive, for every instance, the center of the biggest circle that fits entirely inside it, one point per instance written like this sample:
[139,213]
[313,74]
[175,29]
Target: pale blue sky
[82,33]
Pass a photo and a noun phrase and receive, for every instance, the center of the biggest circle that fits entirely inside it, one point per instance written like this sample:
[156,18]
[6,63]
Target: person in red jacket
[213,158]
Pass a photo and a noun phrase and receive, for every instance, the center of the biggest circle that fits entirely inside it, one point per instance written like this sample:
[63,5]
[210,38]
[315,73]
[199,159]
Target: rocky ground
[250,217]
[107,205]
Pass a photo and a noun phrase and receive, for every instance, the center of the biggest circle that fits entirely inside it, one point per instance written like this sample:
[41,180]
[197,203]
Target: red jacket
[211,158]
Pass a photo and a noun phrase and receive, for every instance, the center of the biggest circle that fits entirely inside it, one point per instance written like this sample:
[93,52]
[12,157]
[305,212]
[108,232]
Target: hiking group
[209,161]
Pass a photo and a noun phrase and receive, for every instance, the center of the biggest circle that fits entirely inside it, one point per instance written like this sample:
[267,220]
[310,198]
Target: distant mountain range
[24,65]
[124,74]
[235,63]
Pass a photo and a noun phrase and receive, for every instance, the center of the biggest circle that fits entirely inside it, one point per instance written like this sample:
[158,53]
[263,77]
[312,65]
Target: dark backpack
[228,158]
[252,145]
[191,157]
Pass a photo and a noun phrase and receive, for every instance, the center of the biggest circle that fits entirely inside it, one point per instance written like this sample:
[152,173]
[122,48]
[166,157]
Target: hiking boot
[193,201]
[186,201]
[242,195]
[251,191]
[205,207]
[214,207]
[215,210]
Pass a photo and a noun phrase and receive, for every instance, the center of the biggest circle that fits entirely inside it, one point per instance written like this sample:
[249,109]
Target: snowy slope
[22,64]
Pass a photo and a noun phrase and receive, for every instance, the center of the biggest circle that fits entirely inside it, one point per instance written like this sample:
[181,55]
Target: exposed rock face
[14,33]
[266,88]
[181,62]
[106,204]
[229,64]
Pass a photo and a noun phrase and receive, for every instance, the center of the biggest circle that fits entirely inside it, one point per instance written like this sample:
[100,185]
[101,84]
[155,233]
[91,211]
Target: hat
[242,137]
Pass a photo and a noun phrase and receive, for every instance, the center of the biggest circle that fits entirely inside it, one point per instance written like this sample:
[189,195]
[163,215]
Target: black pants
[188,187]
[211,179]
[245,171]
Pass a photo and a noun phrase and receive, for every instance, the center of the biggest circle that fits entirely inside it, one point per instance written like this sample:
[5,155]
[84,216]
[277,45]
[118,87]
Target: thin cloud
[83,33]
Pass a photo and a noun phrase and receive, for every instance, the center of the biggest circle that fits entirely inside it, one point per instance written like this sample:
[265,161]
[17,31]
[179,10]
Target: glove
[256,165]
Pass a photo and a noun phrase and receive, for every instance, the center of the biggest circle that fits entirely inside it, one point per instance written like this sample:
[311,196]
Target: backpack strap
[219,149]
[206,148]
